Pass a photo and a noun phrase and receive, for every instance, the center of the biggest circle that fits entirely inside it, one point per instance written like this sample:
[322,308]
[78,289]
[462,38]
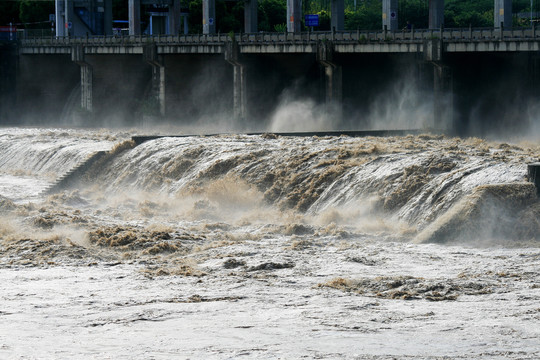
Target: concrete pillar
[250,16]
[443,98]
[86,87]
[533,174]
[390,14]
[294,16]
[108,18]
[239,92]
[502,13]
[60,20]
[155,60]
[67,18]
[158,87]
[174,17]
[134,13]
[186,24]
[232,55]
[334,85]
[209,16]
[333,79]
[338,15]
[77,56]
[436,14]
[8,81]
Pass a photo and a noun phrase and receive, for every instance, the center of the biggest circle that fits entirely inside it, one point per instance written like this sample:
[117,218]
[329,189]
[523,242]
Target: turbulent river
[267,247]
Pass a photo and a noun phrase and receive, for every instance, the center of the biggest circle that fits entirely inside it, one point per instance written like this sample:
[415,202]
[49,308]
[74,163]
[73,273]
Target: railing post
[533,32]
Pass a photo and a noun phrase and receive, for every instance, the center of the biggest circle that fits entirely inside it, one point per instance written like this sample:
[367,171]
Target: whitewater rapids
[268,247]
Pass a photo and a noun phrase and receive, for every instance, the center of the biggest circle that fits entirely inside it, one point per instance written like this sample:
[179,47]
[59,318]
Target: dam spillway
[437,77]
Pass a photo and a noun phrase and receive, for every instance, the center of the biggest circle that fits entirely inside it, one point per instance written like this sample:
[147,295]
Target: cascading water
[229,246]
[411,179]
[32,159]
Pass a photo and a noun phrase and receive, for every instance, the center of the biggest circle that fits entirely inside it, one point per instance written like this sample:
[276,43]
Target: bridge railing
[413,35]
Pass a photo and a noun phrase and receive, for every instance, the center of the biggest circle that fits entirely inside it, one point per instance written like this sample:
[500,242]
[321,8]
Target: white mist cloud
[297,114]
[403,106]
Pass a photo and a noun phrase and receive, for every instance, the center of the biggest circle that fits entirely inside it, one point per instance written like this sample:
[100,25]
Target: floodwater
[268,247]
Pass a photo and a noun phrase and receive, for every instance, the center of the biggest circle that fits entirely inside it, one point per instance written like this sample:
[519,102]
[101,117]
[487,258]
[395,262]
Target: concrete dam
[474,81]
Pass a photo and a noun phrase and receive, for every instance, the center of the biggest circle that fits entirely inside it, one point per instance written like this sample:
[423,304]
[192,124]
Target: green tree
[271,13]
[9,12]
[368,16]
[35,14]
[195,16]
[416,12]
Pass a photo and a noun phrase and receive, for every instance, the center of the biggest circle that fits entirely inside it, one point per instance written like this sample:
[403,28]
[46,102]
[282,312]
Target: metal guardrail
[462,34]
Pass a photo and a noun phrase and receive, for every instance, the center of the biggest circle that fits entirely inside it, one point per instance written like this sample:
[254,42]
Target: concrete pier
[158,76]
[442,84]
[533,174]
[333,74]
[443,97]
[77,56]
[8,80]
[232,56]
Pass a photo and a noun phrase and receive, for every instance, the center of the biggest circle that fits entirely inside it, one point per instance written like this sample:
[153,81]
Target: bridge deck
[453,40]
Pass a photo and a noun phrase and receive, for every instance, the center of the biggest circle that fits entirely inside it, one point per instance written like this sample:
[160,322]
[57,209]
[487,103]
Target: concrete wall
[198,88]
[380,91]
[44,84]
[386,91]
[119,86]
[274,81]
[8,82]
[494,93]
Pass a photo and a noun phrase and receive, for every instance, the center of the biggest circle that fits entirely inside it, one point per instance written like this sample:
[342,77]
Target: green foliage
[280,27]
[272,13]
[365,15]
[9,12]
[368,16]
[35,14]
[195,16]
[477,13]
[324,20]
[416,12]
